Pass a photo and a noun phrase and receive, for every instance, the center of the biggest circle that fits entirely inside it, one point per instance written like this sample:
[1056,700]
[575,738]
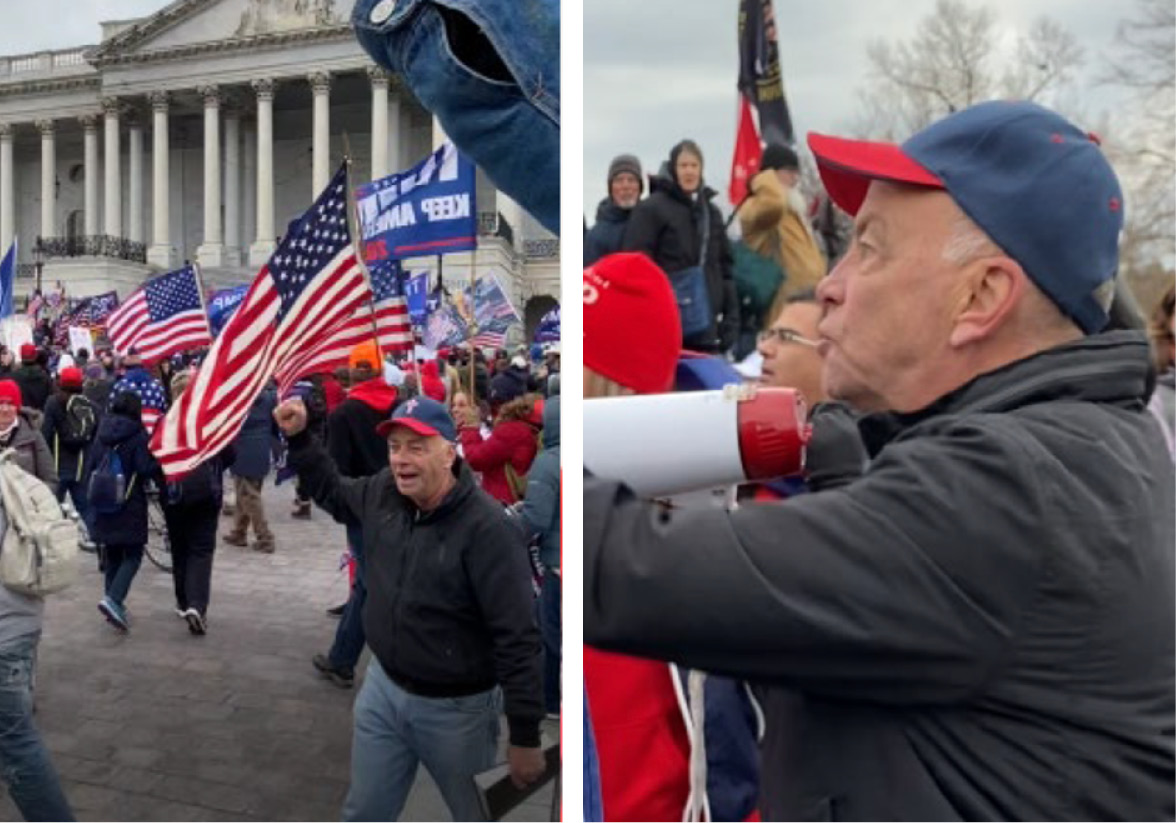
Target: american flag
[162,317]
[150,393]
[390,327]
[309,288]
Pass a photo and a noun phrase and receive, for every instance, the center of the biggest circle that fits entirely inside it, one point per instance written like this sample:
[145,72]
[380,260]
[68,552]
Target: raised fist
[291,416]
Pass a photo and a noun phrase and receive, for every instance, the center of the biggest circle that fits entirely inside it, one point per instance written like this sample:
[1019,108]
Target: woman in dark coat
[254,445]
[122,533]
[669,225]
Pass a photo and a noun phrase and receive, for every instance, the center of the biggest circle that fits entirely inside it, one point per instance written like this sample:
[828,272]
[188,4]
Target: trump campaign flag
[312,285]
[429,209]
[162,317]
[222,304]
[416,294]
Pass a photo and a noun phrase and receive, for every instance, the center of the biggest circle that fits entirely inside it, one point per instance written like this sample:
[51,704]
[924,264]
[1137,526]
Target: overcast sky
[656,71]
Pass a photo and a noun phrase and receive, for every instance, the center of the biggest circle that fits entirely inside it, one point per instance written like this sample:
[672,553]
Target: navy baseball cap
[1038,185]
[423,415]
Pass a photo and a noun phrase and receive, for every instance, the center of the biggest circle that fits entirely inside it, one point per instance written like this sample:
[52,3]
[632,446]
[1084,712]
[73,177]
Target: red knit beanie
[28,353]
[632,333]
[10,391]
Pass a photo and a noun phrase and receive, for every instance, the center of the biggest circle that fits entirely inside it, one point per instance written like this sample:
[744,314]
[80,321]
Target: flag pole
[474,315]
[357,244]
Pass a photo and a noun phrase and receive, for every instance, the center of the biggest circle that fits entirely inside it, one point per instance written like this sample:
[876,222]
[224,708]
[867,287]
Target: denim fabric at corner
[509,129]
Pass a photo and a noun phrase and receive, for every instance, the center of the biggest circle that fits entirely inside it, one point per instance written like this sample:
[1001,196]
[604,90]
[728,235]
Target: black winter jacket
[607,233]
[979,628]
[128,526]
[69,459]
[351,429]
[35,385]
[665,226]
[449,610]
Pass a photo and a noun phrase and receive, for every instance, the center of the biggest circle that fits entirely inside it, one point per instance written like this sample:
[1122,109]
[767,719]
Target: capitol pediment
[186,26]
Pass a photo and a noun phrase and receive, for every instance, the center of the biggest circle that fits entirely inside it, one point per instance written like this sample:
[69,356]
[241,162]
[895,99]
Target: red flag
[748,151]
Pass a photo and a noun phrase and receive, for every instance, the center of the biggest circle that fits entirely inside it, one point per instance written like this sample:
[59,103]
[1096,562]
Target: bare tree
[956,59]
[1141,142]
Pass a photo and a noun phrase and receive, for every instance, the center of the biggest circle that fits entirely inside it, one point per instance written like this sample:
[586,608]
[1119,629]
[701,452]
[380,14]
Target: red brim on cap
[848,166]
[385,428]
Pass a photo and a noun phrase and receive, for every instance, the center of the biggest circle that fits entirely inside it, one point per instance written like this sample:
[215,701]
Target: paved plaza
[236,725]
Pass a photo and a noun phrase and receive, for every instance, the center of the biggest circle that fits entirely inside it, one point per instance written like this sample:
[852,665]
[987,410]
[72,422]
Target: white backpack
[39,553]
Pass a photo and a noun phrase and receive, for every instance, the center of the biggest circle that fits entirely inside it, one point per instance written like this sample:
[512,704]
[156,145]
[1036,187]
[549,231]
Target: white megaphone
[666,444]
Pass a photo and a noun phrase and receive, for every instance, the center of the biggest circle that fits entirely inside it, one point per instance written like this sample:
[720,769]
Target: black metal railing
[95,245]
[541,249]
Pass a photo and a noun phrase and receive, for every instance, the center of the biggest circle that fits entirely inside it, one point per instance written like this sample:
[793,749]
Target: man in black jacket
[981,625]
[625,185]
[449,616]
[35,383]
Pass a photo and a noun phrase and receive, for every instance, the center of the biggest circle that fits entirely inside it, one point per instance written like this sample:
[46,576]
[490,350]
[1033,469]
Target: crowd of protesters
[962,608]
[82,424]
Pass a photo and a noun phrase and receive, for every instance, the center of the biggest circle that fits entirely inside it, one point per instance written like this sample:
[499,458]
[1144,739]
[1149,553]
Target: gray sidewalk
[236,725]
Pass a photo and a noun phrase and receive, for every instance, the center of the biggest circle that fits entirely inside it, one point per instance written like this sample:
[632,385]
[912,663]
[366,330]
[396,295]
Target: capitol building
[199,132]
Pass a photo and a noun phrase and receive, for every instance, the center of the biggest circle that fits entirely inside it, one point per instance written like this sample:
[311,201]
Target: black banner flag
[760,78]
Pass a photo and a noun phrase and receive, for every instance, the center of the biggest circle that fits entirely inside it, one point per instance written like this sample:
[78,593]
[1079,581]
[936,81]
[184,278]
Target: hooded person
[431,383]
[625,186]
[632,337]
[540,515]
[357,450]
[510,382]
[504,458]
[69,426]
[20,430]
[35,383]
[119,465]
[681,230]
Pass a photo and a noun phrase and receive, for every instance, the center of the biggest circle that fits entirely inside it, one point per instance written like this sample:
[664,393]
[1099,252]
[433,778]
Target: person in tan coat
[775,225]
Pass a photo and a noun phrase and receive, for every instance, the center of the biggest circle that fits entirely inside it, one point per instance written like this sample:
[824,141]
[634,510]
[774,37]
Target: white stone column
[211,253]
[232,188]
[161,252]
[379,79]
[249,190]
[320,84]
[135,160]
[263,245]
[90,127]
[7,188]
[112,188]
[48,179]
[397,139]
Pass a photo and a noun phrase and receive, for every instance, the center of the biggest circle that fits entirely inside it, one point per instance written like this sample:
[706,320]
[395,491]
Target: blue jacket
[541,506]
[128,526]
[606,234]
[254,443]
[489,71]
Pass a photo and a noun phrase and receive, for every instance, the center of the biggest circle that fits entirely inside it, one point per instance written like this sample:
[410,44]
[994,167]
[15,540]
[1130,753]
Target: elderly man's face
[625,190]
[421,466]
[889,305]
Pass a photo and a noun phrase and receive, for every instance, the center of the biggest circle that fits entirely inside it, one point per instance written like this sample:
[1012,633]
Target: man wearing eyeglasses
[789,348]
[979,626]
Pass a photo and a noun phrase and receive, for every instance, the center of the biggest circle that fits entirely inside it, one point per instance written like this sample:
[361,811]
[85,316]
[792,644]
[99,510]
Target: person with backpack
[70,423]
[191,509]
[120,464]
[249,468]
[505,457]
[20,430]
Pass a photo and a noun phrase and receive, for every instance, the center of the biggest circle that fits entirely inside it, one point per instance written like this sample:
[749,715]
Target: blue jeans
[349,635]
[121,565]
[24,761]
[495,91]
[77,493]
[550,626]
[455,738]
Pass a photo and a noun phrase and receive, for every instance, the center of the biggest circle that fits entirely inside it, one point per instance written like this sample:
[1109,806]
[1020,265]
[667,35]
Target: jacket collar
[1113,367]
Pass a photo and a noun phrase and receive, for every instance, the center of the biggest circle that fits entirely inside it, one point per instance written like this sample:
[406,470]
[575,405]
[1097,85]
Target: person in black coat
[35,383]
[625,187]
[122,533]
[668,227]
[191,508]
[69,449]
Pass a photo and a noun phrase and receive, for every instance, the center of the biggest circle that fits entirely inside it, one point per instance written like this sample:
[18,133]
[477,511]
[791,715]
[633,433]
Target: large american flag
[384,317]
[310,287]
[150,393]
[162,317]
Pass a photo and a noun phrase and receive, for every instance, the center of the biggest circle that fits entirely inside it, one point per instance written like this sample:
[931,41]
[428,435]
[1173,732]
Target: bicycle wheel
[158,549]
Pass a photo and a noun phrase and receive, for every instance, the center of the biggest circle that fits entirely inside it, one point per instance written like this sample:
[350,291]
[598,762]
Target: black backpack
[81,421]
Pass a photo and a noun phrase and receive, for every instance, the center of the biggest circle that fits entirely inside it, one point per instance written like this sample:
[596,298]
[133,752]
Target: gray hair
[967,242]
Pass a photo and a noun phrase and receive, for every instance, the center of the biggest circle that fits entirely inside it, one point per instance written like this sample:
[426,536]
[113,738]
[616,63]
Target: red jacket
[641,739]
[513,441]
